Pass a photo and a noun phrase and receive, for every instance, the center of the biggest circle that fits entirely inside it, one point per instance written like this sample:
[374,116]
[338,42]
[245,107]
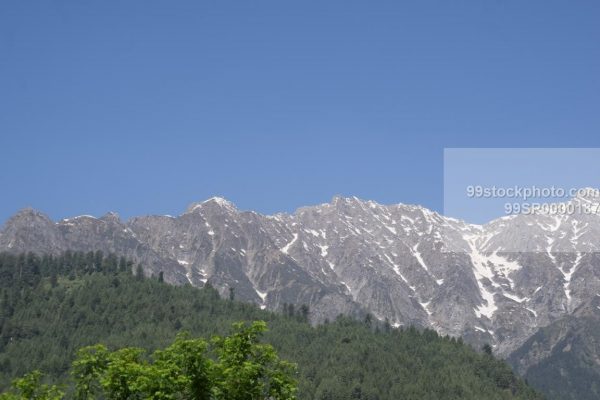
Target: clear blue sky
[143,107]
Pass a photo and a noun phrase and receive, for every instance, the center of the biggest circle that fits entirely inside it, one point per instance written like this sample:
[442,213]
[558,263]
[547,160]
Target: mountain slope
[563,359]
[51,306]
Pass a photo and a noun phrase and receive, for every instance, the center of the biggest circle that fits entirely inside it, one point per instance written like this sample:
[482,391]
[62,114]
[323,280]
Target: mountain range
[401,263]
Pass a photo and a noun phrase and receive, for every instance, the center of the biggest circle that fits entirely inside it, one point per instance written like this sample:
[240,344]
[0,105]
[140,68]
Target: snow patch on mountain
[285,249]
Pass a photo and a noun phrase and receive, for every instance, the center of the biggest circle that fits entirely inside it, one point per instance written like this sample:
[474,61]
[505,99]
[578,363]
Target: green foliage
[87,368]
[248,370]
[43,326]
[186,363]
[244,369]
[30,387]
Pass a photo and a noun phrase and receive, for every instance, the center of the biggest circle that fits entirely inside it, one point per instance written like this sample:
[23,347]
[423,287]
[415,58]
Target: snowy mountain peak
[216,201]
[220,201]
[111,217]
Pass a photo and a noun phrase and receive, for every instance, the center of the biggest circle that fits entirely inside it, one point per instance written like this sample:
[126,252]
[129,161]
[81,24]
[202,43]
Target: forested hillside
[52,306]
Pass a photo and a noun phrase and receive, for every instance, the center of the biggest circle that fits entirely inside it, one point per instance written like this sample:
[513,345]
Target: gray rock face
[403,263]
[563,358]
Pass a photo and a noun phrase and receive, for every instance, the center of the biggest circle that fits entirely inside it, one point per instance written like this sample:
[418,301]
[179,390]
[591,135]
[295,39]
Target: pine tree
[139,272]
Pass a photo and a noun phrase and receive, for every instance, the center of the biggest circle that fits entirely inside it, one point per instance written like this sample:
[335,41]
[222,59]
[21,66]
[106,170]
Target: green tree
[29,387]
[304,312]
[139,272]
[487,349]
[249,370]
[90,364]
[186,358]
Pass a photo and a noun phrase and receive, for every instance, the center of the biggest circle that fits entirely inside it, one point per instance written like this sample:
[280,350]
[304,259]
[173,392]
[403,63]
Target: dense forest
[51,306]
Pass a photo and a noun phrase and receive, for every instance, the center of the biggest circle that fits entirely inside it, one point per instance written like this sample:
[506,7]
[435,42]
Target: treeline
[52,306]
